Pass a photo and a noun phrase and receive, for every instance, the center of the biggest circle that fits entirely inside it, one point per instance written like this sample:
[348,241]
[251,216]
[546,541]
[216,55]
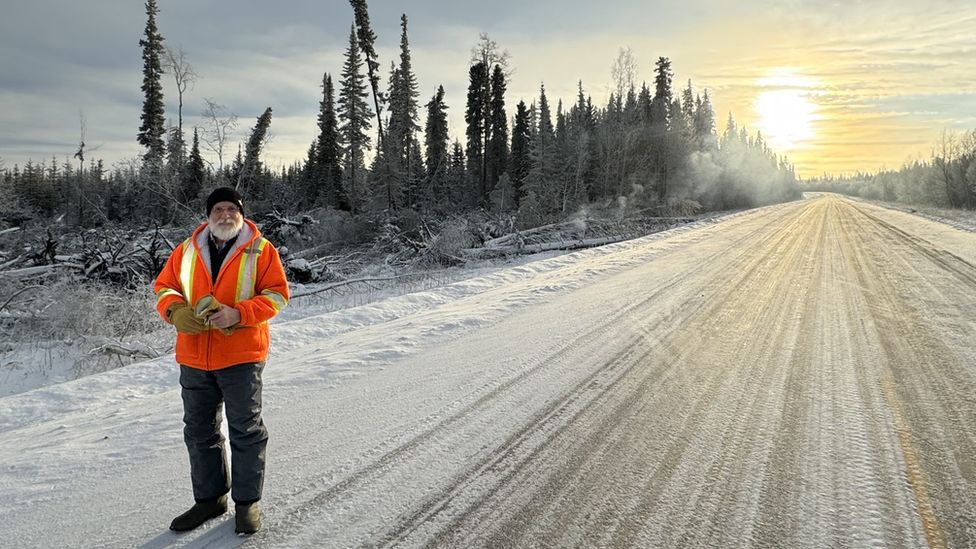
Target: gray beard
[225,233]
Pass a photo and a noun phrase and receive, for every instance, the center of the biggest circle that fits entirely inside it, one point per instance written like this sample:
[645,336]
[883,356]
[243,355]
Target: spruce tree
[366,39]
[354,124]
[644,105]
[474,116]
[582,129]
[196,172]
[661,144]
[403,103]
[564,154]
[251,168]
[521,161]
[688,103]
[544,124]
[436,145]
[731,133]
[456,176]
[153,111]
[705,123]
[631,115]
[661,104]
[327,186]
[391,177]
[175,155]
[492,101]
[540,183]
[497,151]
[679,124]
[416,195]
[311,180]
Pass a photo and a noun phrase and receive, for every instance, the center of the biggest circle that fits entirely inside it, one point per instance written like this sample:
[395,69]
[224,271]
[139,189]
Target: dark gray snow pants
[205,393]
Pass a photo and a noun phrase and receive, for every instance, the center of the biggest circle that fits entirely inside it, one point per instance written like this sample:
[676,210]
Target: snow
[94,437]
[295,329]
[357,400]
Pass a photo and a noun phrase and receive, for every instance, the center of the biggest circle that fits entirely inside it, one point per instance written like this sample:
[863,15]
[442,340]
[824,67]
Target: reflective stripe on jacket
[251,279]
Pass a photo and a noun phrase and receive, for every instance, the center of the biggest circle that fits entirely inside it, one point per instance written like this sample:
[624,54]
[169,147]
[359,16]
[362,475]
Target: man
[219,288]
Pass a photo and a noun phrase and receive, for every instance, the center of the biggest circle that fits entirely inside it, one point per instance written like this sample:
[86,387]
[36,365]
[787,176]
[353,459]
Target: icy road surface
[801,376]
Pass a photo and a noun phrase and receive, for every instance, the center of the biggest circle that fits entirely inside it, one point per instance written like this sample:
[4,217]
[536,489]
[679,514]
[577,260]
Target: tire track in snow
[300,510]
[746,265]
[800,430]
[928,389]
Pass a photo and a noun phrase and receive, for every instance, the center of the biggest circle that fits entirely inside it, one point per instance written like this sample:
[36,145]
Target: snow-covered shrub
[455,235]
[331,227]
[300,270]
[67,309]
[684,207]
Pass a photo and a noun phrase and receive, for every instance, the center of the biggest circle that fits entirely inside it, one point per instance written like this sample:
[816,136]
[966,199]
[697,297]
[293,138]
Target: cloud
[893,67]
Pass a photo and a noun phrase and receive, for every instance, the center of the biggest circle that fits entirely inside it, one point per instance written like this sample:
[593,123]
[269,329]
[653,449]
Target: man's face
[225,220]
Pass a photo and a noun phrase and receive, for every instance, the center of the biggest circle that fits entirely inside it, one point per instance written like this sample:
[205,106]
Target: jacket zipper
[213,287]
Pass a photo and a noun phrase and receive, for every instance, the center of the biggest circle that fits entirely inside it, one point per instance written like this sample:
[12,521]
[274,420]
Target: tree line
[649,147]
[946,179]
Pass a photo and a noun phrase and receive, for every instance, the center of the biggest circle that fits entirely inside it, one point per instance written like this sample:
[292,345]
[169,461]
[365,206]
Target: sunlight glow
[786,114]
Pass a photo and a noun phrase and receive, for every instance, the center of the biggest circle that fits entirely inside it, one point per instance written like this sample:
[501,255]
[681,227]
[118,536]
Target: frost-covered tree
[704,123]
[581,148]
[217,131]
[543,178]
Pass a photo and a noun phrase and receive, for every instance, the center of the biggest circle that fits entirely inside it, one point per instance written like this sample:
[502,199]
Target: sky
[834,86]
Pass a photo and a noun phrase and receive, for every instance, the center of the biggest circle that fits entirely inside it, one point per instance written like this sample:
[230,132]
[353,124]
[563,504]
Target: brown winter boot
[201,512]
[248,518]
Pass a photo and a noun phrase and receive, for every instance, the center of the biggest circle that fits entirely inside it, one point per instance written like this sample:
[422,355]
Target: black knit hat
[225,194]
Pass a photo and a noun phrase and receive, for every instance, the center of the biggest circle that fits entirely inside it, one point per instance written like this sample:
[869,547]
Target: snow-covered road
[801,375]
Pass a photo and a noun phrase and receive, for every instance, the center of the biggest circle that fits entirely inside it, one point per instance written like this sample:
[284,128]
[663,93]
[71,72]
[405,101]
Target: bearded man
[219,288]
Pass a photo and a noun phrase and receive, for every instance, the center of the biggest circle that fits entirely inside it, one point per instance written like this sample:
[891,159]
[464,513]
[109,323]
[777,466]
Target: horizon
[835,89]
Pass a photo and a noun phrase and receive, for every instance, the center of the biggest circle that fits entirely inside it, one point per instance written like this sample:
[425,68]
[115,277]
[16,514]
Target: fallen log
[41,269]
[574,244]
[142,351]
[354,281]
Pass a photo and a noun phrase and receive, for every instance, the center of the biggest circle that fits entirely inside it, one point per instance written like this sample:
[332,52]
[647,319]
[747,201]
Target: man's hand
[225,317]
[181,315]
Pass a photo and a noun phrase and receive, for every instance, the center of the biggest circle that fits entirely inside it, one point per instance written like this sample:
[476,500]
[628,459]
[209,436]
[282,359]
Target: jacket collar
[249,233]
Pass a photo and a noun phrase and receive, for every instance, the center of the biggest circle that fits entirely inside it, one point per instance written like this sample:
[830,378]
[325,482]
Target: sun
[786,113]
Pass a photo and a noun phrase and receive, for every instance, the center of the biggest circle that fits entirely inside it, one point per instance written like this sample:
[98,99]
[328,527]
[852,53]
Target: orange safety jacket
[251,279]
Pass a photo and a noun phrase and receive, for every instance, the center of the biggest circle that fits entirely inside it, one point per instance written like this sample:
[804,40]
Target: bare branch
[486,51]
[183,73]
[220,124]
[624,71]
[17,293]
